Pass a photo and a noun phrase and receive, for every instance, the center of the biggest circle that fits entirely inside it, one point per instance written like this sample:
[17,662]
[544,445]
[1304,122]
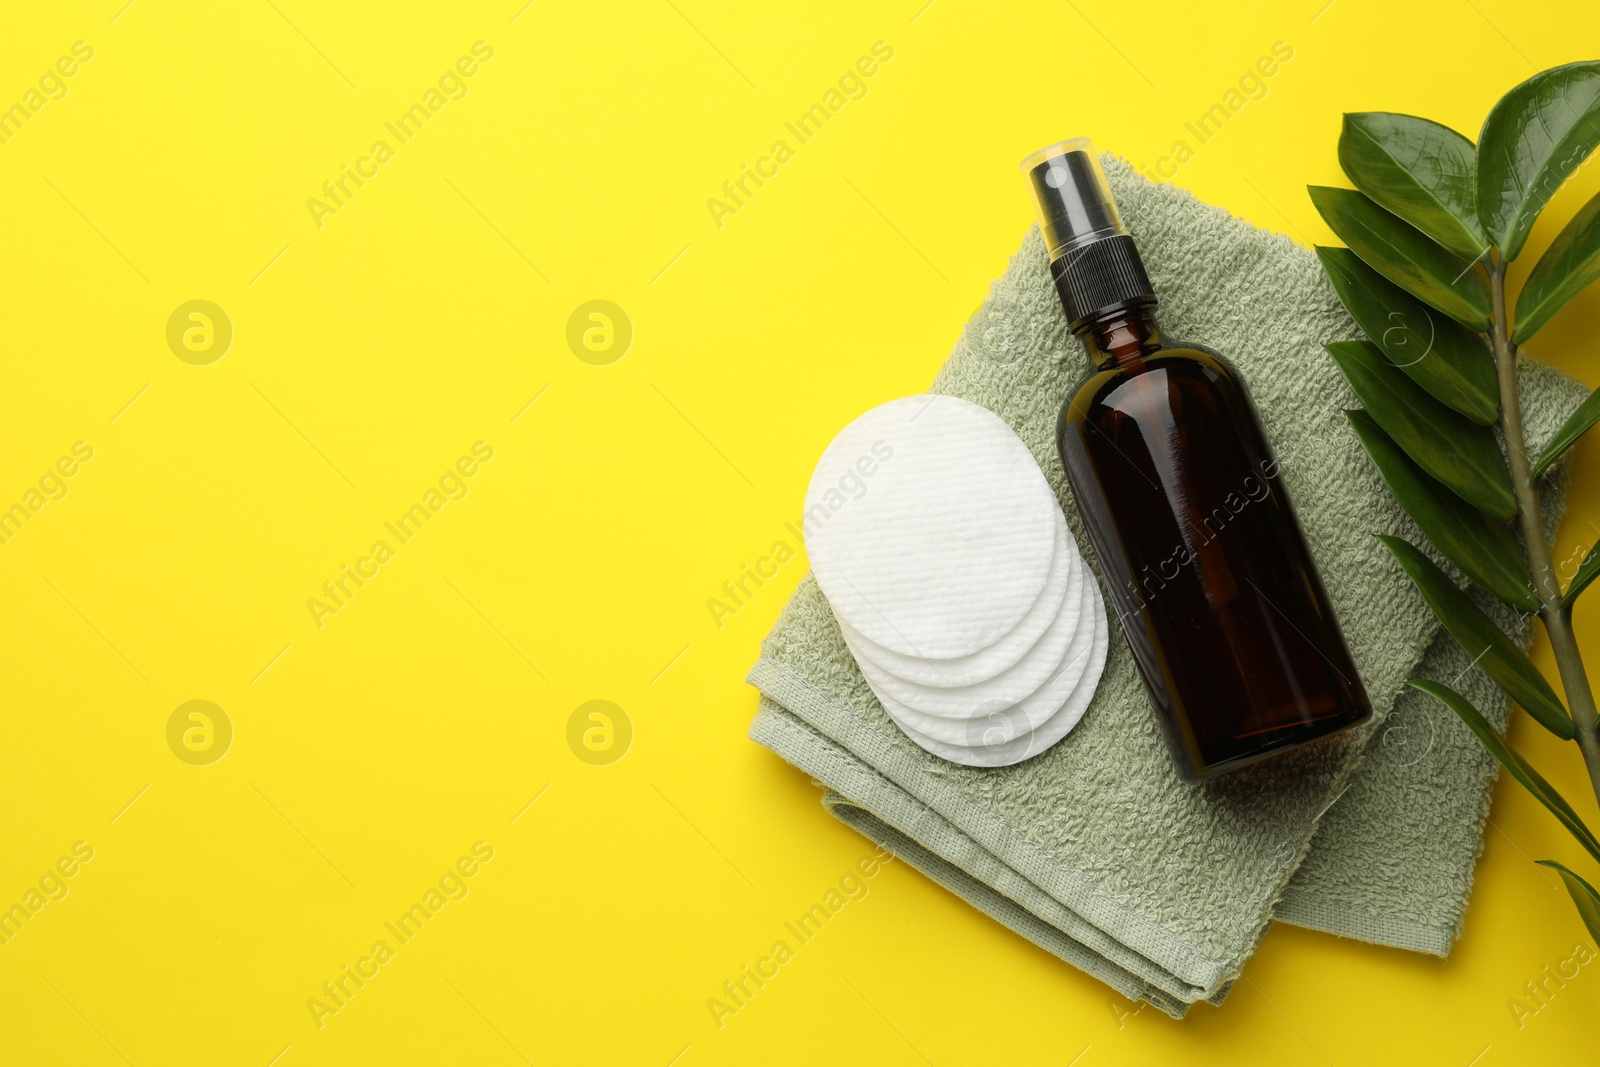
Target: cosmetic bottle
[1201,553]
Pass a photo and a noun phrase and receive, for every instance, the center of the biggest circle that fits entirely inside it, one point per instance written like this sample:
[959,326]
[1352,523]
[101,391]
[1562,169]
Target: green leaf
[1534,137]
[1481,546]
[1438,353]
[1419,170]
[1570,263]
[1459,453]
[1577,423]
[1587,571]
[1405,255]
[1511,760]
[1485,643]
[1583,895]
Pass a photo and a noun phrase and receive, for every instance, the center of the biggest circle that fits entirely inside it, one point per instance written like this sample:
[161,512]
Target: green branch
[1557,621]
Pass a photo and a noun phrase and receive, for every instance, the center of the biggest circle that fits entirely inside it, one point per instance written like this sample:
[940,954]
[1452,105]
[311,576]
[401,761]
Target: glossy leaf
[1587,571]
[1462,455]
[1532,140]
[1481,546]
[1474,631]
[1438,353]
[1419,170]
[1405,255]
[1570,263]
[1583,895]
[1511,760]
[1577,423]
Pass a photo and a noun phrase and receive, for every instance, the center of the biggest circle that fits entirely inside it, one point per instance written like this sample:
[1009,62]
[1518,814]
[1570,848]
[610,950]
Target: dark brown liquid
[1206,566]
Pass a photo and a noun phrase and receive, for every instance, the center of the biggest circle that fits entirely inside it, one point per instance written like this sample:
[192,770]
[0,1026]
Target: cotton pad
[950,485]
[1005,653]
[1041,662]
[999,738]
[955,580]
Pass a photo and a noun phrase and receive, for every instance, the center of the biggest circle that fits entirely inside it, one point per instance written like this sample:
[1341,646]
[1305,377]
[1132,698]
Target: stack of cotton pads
[955,580]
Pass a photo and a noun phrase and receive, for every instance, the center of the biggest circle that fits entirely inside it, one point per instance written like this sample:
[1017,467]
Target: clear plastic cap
[1072,196]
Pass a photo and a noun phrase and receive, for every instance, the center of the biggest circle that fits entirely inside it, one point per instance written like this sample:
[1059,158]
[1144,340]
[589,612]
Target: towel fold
[1098,850]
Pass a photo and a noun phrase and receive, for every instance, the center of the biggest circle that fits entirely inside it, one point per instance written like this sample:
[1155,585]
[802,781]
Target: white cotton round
[943,549]
[1002,656]
[1022,683]
[1000,737]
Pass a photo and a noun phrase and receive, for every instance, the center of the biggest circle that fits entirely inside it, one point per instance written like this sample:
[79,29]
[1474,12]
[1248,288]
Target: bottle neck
[1121,338]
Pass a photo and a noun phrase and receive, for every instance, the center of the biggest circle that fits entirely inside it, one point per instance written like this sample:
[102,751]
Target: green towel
[1099,850]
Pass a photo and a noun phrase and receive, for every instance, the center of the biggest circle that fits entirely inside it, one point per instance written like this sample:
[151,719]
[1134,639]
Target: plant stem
[1557,623]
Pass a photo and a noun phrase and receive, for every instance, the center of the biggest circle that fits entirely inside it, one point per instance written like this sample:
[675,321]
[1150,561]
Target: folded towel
[1099,850]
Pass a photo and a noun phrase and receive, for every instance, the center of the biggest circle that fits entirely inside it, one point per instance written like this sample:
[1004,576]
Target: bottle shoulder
[1195,364]
[1187,380]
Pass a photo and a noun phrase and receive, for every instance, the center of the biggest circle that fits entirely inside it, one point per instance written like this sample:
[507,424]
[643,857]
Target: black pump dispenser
[1093,260]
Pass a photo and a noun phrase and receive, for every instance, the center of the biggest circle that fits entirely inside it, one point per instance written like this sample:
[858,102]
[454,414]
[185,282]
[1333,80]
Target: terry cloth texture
[1099,850]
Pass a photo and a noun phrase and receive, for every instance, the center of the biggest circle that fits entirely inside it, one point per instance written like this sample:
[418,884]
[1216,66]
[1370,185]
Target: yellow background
[370,353]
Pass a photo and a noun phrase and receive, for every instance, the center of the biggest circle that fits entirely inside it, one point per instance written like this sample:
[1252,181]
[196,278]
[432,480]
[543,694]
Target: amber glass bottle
[1206,566]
